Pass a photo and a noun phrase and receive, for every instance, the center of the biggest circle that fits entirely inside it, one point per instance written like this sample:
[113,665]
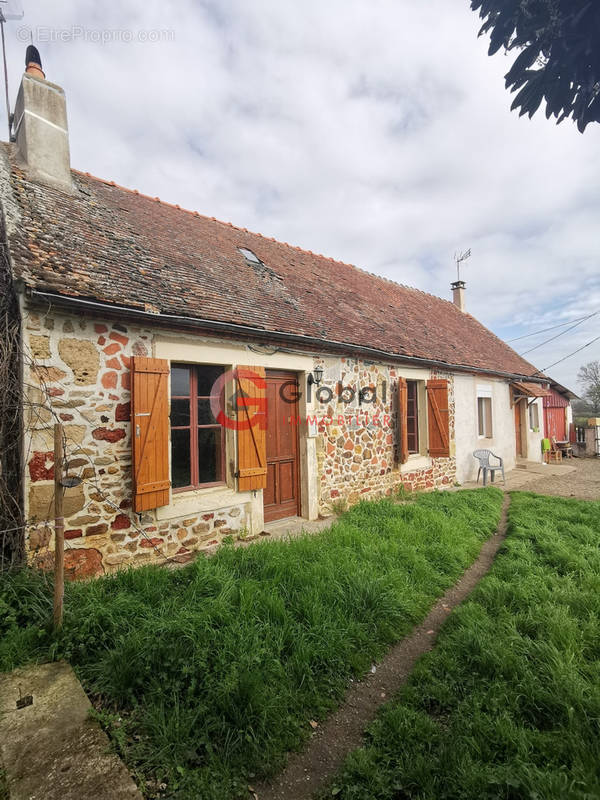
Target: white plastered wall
[502,441]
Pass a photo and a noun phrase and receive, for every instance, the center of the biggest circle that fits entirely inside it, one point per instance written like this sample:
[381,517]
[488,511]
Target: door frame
[520,432]
[294,410]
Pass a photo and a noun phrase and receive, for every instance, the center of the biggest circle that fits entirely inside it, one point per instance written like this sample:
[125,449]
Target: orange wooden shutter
[150,432]
[402,420]
[438,418]
[251,392]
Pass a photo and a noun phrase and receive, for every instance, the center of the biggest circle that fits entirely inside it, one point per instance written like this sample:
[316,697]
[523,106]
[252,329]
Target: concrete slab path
[52,749]
[295,526]
[575,477]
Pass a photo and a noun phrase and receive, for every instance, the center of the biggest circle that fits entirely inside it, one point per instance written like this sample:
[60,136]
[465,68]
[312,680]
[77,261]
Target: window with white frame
[412,416]
[484,412]
[416,419]
[534,417]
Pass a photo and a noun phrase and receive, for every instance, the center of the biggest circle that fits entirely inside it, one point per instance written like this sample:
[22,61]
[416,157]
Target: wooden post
[59,528]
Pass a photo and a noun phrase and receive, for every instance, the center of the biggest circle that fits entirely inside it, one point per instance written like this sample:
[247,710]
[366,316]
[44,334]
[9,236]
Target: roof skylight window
[249,255]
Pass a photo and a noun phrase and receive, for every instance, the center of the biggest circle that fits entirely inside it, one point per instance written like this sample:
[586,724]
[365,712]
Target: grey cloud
[376,132]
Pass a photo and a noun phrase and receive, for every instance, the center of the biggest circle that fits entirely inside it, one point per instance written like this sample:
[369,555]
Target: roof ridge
[261,235]
[213,219]
[206,278]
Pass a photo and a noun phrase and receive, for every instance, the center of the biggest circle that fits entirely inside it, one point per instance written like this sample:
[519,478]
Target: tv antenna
[459,260]
[9,9]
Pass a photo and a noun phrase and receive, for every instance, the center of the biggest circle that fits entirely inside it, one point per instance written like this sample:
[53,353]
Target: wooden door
[281,496]
[519,428]
[555,424]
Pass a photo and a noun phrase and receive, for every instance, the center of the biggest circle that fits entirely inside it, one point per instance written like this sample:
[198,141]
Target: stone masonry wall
[77,372]
[357,442]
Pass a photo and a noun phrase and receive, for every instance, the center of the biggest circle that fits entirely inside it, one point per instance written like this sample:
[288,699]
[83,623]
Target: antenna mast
[2,21]
[8,10]
[459,259]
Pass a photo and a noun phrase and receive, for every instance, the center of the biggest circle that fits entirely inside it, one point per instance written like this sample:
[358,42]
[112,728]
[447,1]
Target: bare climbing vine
[11,410]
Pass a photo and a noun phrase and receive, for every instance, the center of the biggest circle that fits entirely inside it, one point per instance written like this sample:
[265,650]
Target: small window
[484,417]
[249,255]
[197,439]
[534,417]
[412,416]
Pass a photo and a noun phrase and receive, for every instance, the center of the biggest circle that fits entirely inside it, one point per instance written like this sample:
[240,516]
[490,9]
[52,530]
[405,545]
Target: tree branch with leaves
[559,59]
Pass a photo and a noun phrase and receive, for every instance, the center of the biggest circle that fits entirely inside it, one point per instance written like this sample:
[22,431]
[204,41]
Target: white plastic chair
[483,456]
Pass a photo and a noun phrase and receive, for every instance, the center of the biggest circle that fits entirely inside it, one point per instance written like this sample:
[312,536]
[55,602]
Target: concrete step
[50,747]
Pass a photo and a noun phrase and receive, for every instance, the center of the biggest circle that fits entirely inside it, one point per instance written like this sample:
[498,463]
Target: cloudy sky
[377,132]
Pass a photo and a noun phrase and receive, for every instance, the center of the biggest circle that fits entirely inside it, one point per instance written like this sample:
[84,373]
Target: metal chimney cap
[32,56]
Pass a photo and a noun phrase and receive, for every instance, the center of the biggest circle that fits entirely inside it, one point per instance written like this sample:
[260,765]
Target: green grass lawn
[209,674]
[508,703]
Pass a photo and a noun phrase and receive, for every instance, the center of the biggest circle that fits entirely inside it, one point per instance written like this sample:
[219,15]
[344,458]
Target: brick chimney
[458,294]
[40,126]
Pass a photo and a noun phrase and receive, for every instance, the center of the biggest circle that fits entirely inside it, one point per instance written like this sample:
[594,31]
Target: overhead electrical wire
[562,333]
[579,349]
[552,328]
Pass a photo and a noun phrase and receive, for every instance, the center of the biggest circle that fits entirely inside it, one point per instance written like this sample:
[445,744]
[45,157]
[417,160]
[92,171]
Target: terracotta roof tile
[115,245]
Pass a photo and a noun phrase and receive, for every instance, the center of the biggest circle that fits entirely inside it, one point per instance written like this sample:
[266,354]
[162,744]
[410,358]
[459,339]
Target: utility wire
[579,349]
[562,333]
[553,328]
[29,524]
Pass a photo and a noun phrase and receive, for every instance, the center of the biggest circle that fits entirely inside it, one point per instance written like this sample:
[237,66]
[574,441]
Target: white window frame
[422,438]
[534,416]
[485,423]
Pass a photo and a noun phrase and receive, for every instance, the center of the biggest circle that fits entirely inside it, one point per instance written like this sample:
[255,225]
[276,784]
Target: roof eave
[563,390]
[245,332]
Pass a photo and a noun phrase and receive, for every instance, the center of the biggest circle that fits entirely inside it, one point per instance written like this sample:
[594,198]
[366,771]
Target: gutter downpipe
[195,323]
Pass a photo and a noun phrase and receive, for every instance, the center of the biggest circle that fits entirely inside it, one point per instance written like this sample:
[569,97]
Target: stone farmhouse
[211,380]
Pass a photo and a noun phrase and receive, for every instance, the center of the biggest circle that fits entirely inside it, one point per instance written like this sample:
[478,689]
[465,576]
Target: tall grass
[208,675]
[508,704]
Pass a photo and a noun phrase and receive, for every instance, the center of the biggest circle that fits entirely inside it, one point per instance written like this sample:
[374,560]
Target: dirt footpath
[308,771]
